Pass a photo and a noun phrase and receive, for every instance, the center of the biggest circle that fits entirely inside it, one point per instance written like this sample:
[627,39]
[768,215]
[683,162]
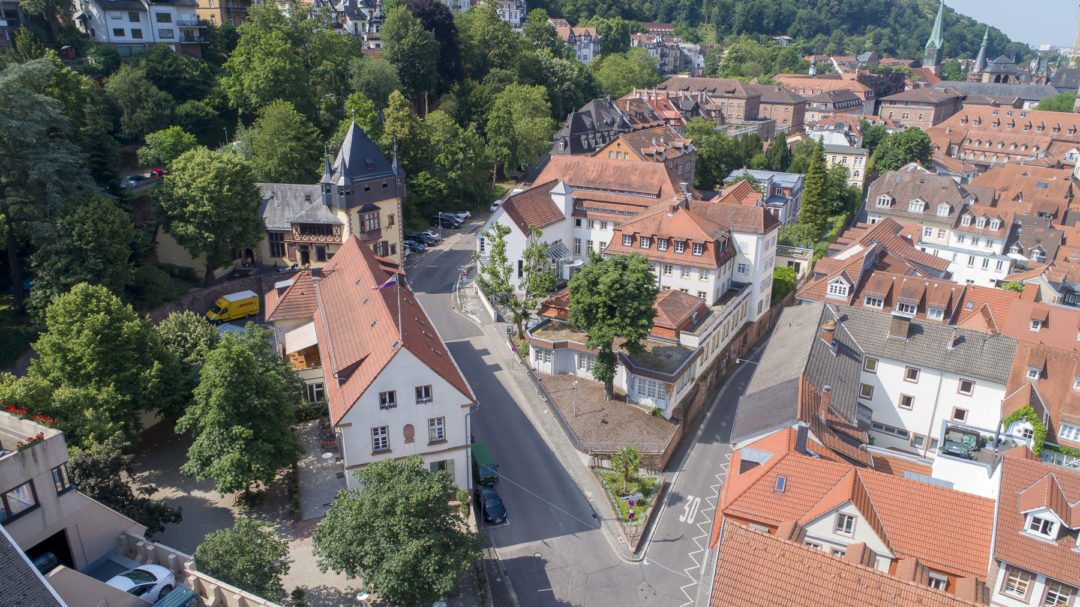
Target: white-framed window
[680,246]
[1034,373]
[916,206]
[995,224]
[1035,325]
[698,249]
[845,524]
[588,245]
[884,201]
[935,313]
[603,225]
[380,438]
[1041,526]
[645,242]
[667,268]
[938,581]
[662,244]
[965,220]
[684,271]
[960,238]
[742,268]
[874,302]
[1069,432]
[543,355]
[314,392]
[702,295]
[838,288]
[1058,594]
[704,274]
[628,241]
[585,361]
[591,224]
[974,241]
[388,400]
[577,246]
[866,391]
[870,365]
[927,232]
[840,552]
[965,387]
[943,210]
[652,389]
[436,429]
[1000,265]
[907,309]
[941,233]
[980,223]
[423,395]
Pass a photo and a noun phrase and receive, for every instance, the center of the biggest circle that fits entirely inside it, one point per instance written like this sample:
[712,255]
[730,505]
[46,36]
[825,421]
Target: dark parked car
[414,246]
[422,238]
[492,506]
[444,221]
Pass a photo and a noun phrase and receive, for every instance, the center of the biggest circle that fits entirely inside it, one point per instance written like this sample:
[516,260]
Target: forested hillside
[897,28]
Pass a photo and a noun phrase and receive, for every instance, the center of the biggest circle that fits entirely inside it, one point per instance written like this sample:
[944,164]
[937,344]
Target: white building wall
[1037,590]
[758,253]
[822,530]
[403,374]
[969,477]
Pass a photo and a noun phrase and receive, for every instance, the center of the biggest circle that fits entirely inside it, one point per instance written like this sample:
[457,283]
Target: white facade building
[975,246]
[132,25]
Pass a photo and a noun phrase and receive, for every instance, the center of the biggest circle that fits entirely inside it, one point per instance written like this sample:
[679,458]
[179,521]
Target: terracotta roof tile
[756,220]
[1059,328]
[295,301]
[675,308]
[533,208]
[1051,395]
[674,222]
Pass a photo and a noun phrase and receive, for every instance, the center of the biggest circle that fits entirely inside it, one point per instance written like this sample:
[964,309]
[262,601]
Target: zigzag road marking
[702,540]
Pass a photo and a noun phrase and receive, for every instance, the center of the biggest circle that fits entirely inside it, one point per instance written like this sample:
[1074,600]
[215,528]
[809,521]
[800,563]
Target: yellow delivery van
[233,306]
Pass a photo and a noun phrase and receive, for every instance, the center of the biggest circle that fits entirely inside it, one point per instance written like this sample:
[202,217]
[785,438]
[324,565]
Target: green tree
[901,148]
[950,70]
[873,135]
[802,155]
[460,160]
[1058,103]
[495,271]
[626,460]
[182,76]
[52,11]
[248,556]
[778,156]
[784,279]
[614,33]
[487,42]
[815,203]
[538,279]
[144,108]
[411,49]
[189,337]
[613,297]
[101,364]
[104,472]
[569,84]
[398,533]
[39,166]
[403,128]
[244,405]
[162,147]
[88,241]
[285,146]
[519,126]
[798,235]
[210,205]
[327,57]
[361,109]
[717,154]
[837,192]
[540,32]
[375,78]
[26,46]
[1012,285]
[265,66]
[619,73]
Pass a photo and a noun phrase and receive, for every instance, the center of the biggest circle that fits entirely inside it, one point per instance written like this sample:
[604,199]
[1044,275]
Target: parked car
[156,173]
[150,582]
[133,181]
[233,306]
[414,246]
[494,206]
[492,506]
[181,597]
[422,238]
[462,215]
[434,236]
[444,221]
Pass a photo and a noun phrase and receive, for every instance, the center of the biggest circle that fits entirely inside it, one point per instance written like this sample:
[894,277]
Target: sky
[1032,21]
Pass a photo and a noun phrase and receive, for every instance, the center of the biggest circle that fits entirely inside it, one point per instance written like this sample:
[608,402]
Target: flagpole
[400,324]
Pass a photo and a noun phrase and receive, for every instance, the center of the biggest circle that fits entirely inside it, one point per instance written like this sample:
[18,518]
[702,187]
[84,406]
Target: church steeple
[932,53]
[980,59]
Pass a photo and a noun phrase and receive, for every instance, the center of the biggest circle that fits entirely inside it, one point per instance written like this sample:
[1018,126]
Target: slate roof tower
[932,54]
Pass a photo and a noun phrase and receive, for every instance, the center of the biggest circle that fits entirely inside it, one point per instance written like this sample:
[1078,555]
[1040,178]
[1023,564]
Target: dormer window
[838,289]
[698,249]
[661,244]
[884,201]
[1034,373]
[943,210]
[628,241]
[1040,526]
[1035,325]
[995,224]
[980,223]
[1076,385]
[935,313]
[965,220]
[874,302]
[645,242]
[680,246]
[916,206]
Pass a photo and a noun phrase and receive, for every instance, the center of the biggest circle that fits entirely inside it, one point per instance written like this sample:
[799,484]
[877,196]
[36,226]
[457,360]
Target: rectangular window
[935,313]
[704,274]
[436,429]
[577,222]
[661,244]
[870,365]
[667,269]
[918,440]
[1034,373]
[133,17]
[277,244]
[585,362]
[959,414]
[1069,432]
[577,246]
[897,432]
[16,501]
[1035,325]
[118,32]
[699,249]
[685,271]
[928,232]
[60,479]
[845,524]
[874,302]
[388,400]
[645,242]
[320,253]
[999,266]
[986,263]
[588,246]
[628,241]
[938,581]
[911,374]
[906,308]
[965,387]
[702,295]
[380,439]
[652,389]
[136,34]
[906,401]
[1041,526]
[163,17]
[866,391]
[603,225]
[315,392]
[542,355]
[370,222]
[591,224]
[837,552]
[742,268]
[680,246]
[423,395]
[1017,583]
[1058,594]
[166,34]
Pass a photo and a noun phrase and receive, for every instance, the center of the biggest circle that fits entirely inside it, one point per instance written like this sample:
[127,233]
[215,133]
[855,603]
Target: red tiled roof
[1060,325]
[674,308]
[1051,395]
[1021,480]
[533,208]
[606,175]
[739,218]
[359,330]
[897,465]
[755,569]
[667,222]
[296,301]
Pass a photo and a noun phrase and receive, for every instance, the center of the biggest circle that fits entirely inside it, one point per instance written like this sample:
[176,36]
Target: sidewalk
[574,461]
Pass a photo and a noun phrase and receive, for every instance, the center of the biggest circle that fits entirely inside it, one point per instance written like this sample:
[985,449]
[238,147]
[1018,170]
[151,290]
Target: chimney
[823,411]
[828,333]
[898,328]
[800,438]
[953,340]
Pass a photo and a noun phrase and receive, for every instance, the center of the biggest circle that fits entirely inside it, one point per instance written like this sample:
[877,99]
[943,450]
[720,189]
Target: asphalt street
[553,549]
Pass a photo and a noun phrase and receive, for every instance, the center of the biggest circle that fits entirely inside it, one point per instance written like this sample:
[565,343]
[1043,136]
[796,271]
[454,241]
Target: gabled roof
[753,219]
[673,221]
[295,301]
[922,95]
[718,87]
[360,331]
[533,208]
[657,143]
[1060,324]
[1022,478]
[674,309]
[284,204]
[755,569]
[1051,395]
[645,180]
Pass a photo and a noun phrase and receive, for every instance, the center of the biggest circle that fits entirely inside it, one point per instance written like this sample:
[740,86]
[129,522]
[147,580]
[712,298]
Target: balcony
[369,235]
[975,445]
[187,23]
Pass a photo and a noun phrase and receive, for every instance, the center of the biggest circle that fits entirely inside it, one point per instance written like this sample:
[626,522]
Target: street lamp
[743,360]
[575,398]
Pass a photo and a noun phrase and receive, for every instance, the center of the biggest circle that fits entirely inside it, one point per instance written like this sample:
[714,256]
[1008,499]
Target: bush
[645,485]
[657,412]
[151,287]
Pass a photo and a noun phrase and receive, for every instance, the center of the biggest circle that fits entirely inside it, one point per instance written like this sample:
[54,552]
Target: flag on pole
[389,281]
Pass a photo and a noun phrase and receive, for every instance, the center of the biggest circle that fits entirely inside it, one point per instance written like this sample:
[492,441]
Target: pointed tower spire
[396,164]
[980,59]
[328,172]
[932,53]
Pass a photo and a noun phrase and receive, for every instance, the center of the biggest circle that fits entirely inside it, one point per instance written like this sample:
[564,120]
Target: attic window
[781,484]
[965,220]
[995,224]
[942,210]
[884,200]
[916,206]
[373,324]
[980,222]
[1035,325]
[1034,373]
[838,289]
[1040,526]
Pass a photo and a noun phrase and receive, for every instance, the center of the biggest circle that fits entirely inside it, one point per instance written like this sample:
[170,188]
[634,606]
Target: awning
[557,250]
[300,338]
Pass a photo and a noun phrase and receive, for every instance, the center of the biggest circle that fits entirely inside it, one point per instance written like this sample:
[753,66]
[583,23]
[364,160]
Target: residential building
[787,109]
[827,103]
[1040,192]
[808,86]
[361,19]
[513,12]
[658,144]
[358,195]
[585,41]
[990,136]
[976,247]
[590,128]
[387,376]
[1024,96]
[921,199]
[660,47]
[134,25]
[12,17]
[922,107]
[217,12]
[852,158]
[739,102]
[782,191]
[932,52]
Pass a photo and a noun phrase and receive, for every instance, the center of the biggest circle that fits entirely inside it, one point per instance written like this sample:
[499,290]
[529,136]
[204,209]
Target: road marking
[704,527]
[690,510]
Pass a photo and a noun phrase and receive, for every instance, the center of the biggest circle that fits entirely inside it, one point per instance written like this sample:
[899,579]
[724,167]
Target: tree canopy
[899,149]
[162,147]
[248,556]
[1058,103]
[285,146]
[815,196]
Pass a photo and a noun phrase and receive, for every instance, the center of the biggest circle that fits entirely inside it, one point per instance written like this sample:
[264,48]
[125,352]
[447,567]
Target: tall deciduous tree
[614,33]
[182,76]
[411,49]
[104,472]
[162,147]
[210,205]
[88,241]
[284,145]
[899,149]
[1058,103]
[619,73]
[244,403]
[248,556]
[101,364]
[375,78]
[495,266]
[519,126]
[144,108]
[815,202]
[398,534]
[487,42]
[189,337]
[402,128]
[361,109]
[437,18]
[613,297]
[265,66]
[538,279]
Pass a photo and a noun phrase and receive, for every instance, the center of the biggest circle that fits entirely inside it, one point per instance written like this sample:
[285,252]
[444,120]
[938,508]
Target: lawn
[17,331]
[645,485]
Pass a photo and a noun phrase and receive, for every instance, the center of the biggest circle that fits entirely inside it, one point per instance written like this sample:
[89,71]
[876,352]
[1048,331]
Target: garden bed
[649,487]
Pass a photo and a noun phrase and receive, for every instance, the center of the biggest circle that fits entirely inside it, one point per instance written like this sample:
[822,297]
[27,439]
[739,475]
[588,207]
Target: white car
[494,206]
[150,582]
[432,234]
[462,216]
